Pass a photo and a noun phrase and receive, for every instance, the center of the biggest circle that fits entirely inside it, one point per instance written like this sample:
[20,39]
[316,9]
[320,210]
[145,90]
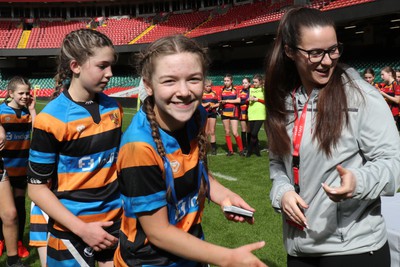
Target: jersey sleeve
[47,134]
[141,178]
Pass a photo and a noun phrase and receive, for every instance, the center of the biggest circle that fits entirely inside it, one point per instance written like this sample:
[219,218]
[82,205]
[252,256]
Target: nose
[109,73]
[326,60]
[183,89]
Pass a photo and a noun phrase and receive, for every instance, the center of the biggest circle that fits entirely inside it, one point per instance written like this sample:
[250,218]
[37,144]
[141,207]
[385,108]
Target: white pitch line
[223,176]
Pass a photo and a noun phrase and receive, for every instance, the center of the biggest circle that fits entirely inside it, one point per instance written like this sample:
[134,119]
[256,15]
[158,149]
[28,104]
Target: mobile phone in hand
[238,211]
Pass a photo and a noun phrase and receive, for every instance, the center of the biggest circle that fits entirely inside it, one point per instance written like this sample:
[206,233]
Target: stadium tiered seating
[343,3]
[175,24]
[122,31]
[49,34]
[242,16]
[10,33]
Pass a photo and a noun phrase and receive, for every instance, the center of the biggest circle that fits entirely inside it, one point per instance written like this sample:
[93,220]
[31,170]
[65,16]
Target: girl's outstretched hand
[243,256]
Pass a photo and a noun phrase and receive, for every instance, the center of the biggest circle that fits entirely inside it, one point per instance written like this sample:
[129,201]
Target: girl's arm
[395,99]
[167,237]
[2,137]
[92,234]
[31,107]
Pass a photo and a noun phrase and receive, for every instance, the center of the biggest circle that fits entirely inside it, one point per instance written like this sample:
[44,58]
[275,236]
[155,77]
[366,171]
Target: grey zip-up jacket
[369,148]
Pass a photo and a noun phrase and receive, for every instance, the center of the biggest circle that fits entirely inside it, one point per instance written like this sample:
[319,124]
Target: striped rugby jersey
[229,109]
[84,154]
[18,132]
[141,175]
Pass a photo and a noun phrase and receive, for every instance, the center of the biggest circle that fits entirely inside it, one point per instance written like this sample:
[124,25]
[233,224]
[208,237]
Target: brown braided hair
[78,45]
[145,65]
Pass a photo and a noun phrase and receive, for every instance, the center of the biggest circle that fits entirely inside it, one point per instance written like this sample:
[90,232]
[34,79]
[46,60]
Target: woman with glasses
[330,160]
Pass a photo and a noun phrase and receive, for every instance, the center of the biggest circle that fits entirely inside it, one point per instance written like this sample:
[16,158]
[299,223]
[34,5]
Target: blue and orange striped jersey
[141,174]
[229,109]
[18,133]
[84,155]
[244,104]
[212,98]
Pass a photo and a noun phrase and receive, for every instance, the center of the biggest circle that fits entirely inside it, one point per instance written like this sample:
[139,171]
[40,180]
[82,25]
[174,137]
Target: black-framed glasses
[316,55]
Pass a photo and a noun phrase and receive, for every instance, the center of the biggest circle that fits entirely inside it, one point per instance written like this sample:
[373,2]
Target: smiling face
[177,84]
[314,75]
[20,96]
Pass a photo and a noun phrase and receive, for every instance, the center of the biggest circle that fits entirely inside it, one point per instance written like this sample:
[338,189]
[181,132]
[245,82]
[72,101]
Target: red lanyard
[298,131]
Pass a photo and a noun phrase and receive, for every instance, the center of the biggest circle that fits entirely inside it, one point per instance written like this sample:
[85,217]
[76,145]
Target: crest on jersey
[114,118]
[80,128]
[175,165]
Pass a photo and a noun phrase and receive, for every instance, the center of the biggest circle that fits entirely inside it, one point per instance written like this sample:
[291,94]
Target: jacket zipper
[339,222]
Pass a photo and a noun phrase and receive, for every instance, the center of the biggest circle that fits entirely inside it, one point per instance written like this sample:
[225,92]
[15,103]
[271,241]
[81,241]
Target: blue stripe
[64,263]
[87,163]
[91,208]
[37,236]
[41,157]
[15,162]
[36,210]
[134,205]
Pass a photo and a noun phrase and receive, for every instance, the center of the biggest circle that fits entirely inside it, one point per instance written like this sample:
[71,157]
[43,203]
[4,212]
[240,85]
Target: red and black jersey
[392,89]
[229,109]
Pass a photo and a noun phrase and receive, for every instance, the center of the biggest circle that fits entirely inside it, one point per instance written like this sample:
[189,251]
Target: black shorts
[228,118]
[212,115]
[19,182]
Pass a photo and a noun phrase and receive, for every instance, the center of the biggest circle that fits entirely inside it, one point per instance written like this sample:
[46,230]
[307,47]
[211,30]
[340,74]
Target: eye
[195,79]
[316,52]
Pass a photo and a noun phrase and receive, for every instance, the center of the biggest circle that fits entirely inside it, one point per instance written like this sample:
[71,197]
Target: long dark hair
[281,77]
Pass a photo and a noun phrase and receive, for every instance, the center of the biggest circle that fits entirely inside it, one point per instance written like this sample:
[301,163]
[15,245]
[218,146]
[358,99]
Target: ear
[289,52]
[75,67]
[147,86]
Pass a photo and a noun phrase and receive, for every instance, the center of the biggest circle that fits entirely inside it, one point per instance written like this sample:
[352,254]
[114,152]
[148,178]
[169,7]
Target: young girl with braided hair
[72,163]
[162,167]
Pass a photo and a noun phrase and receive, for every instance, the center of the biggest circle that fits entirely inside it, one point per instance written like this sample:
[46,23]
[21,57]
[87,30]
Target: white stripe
[75,253]
[223,176]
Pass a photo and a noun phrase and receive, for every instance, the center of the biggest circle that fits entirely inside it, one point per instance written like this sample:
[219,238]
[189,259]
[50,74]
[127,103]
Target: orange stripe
[118,261]
[128,155]
[112,215]
[37,243]
[38,219]
[73,181]
[17,145]
[55,126]
[128,227]
[186,223]
[56,244]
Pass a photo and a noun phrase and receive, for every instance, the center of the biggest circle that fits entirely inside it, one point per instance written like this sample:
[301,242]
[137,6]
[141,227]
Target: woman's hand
[347,186]
[292,205]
